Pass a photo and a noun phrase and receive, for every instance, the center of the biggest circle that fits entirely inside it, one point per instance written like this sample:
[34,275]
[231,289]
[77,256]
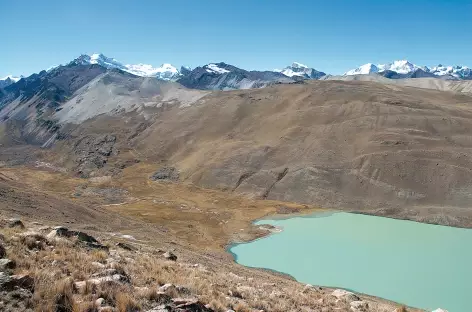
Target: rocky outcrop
[12,223]
[81,237]
[11,282]
[6,264]
[92,152]
[345,295]
[166,173]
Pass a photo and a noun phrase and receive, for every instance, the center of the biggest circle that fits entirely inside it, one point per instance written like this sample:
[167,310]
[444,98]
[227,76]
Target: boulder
[189,305]
[6,264]
[166,287]
[9,283]
[170,256]
[359,306]
[62,232]
[345,295]
[308,288]
[112,275]
[15,223]
[100,302]
[166,173]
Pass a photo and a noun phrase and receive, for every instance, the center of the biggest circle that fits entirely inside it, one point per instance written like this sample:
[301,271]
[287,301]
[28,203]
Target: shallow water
[420,265]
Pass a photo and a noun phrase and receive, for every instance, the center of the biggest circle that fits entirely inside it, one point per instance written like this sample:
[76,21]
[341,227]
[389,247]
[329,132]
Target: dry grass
[203,218]
[57,265]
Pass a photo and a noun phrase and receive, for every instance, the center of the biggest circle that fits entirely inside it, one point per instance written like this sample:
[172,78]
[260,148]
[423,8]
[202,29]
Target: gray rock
[166,173]
[345,295]
[166,287]
[100,302]
[11,282]
[16,223]
[170,256]
[63,232]
[190,304]
[359,306]
[7,264]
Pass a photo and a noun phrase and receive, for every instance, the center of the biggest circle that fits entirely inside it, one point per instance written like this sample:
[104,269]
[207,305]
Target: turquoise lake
[420,265]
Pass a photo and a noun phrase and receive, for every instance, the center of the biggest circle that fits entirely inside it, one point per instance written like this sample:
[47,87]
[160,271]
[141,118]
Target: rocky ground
[46,268]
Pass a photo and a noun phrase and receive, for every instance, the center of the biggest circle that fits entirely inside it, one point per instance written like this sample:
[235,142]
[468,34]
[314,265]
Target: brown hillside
[364,146]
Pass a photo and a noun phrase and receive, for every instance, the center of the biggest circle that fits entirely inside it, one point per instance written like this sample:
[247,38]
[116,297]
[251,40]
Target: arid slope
[347,145]
[361,146]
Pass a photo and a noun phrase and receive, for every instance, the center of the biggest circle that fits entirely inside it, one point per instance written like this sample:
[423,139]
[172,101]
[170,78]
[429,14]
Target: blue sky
[329,35]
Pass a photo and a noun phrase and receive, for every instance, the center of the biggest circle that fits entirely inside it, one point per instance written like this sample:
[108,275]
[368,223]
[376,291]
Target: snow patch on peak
[165,71]
[365,69]
[213,68]
[298,65]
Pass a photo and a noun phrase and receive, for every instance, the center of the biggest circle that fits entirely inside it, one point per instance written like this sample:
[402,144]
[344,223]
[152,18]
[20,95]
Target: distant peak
[216,68]
[300,70]
[298,65]
[12,78]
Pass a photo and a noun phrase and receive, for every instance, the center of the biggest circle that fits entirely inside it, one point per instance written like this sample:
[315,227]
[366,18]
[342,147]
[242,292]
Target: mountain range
[352,141]
[406,69]
[222,76]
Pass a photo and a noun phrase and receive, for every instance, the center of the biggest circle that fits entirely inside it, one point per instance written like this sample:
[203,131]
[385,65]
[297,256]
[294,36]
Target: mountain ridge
[404,67]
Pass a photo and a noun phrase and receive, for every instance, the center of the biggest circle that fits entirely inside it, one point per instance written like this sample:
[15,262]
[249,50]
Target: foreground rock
[6,264]
[63,232]
[170,256]
[12,223]
[10,283]
[345,295]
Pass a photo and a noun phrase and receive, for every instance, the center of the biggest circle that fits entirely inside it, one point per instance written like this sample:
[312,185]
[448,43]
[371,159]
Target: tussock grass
[57,265]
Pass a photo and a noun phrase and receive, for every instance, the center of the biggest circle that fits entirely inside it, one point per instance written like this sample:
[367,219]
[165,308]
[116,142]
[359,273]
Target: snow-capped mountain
[406,69]
[222,76]
[215,68]
[165,71]
[460,72]
[300,70]
[365,69]
[8,80]
[400,67]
